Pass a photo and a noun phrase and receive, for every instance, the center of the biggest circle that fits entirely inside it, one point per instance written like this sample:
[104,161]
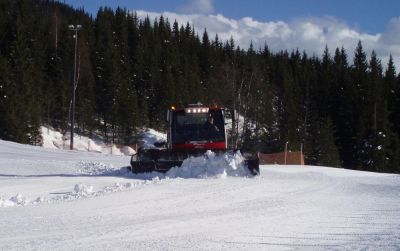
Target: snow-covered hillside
[53,139]
[53,199]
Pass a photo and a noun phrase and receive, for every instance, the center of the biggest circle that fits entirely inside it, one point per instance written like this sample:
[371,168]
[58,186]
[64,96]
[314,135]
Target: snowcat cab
[191,132]
[197,128]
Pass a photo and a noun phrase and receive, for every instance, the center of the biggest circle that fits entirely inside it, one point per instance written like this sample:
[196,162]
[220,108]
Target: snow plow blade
[155,160]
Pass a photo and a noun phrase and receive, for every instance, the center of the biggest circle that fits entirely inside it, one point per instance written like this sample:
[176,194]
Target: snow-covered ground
[53,199]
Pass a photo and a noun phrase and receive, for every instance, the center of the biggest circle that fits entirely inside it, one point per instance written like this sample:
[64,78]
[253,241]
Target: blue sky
[307,25]
[366,15]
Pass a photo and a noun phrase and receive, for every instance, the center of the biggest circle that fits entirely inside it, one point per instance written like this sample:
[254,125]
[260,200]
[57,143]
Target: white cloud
[309,34]
[390,42]
[197,6]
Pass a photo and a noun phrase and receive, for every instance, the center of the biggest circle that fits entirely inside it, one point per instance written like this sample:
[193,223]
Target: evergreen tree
[108,77]
[59,81]
[343,116]
[204,58]
[324,89]
[320,144]
[23,104]
[379,133]
[288,104]
[392,95]
[361,112]
[4,98]
[329,154]
[266,112]
[125,92]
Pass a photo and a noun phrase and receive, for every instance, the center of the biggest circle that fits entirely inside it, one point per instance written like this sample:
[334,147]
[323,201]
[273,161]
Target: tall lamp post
[74,28]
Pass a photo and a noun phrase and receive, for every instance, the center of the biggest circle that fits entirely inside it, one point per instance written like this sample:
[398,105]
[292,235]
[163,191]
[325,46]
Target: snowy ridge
[79,191]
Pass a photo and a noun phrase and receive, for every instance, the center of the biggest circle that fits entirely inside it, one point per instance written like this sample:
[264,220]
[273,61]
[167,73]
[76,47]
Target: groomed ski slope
[68,200]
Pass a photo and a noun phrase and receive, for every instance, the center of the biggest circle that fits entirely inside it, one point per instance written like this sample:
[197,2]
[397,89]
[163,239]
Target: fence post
[286,151]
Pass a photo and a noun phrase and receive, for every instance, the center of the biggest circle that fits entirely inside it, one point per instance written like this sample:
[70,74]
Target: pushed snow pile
[83,190]
[13,201]
[99,169]
[150,136]
[94,168]
[18,199]
[211,165]
[5,203]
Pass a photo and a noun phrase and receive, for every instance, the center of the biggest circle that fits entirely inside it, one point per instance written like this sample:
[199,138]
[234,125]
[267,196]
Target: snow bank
[55,140]
[51,138]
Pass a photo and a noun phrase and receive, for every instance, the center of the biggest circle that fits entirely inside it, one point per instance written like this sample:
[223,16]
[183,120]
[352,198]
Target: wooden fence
[282,158]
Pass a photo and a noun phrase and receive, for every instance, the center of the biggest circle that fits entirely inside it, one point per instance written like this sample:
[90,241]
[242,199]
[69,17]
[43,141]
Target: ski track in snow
[63,200]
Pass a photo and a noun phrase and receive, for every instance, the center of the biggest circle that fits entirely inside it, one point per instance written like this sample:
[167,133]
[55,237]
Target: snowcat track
[253,165]
[153,166]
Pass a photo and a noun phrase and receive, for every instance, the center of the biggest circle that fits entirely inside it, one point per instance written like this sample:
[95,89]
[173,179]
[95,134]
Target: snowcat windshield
[187,127]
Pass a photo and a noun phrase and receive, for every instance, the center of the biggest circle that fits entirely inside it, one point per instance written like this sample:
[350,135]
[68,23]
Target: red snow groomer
[191,132]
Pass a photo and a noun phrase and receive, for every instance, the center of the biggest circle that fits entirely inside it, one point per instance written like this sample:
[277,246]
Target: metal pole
[286,152]
[301,154]
[74,28]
